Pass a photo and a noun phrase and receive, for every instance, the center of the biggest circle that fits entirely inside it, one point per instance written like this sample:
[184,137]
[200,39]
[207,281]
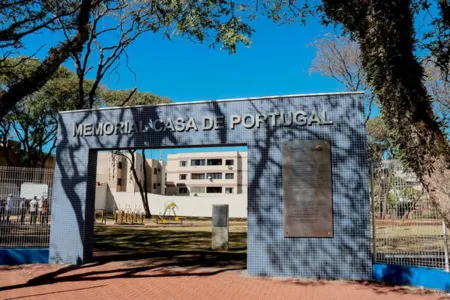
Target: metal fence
[25,207]
[408,231]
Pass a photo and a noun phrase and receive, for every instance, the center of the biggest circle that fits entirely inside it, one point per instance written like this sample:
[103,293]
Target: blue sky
[277,63]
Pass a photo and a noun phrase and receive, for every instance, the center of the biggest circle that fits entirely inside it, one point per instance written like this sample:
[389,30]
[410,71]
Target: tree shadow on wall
[76,166]
[346,255]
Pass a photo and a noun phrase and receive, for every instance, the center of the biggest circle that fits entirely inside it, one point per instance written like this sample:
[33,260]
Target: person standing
[33,210]
[8,207]
[2,209]
[23,210]
[44,210]
[40,208]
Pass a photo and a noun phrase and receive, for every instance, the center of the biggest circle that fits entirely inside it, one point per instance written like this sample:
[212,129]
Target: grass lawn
[409,239]
[195,235]
[192,236]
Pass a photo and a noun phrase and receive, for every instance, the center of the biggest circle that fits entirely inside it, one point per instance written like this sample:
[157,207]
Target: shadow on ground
[121,252]
[142,264]
[110,238]
[138,264]
[132,253]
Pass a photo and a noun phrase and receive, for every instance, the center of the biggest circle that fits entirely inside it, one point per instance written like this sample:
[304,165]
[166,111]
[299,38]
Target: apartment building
[206,173]
[115,170]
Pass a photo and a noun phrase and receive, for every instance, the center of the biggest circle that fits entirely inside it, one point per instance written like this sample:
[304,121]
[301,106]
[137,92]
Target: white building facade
[206,173]
[115,170]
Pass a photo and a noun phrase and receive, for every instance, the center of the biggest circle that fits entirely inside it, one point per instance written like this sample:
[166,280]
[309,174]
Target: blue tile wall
[345,256]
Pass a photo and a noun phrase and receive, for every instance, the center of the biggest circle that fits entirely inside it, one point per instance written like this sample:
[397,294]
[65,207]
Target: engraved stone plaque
[308,203]
[220,215]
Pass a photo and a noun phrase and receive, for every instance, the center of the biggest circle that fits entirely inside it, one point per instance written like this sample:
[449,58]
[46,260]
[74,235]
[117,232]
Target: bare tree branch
[56,56]
[129,97]
[339,58]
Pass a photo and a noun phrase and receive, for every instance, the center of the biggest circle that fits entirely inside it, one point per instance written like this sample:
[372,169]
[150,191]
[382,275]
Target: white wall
[189,206]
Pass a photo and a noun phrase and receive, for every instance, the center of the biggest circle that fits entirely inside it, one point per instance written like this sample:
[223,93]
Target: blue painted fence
[23,256]
[414,276]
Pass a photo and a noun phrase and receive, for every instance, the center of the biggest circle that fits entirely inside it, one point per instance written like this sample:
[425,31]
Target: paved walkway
[164,279]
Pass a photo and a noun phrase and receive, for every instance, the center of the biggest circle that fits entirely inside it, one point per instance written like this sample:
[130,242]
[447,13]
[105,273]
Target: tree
[411,198]
[384,30]
[215,21]
[130,98]
[439,89]
[130,156]
[338,57]
[33,121]
[115,25]
[386,35]
[28,17]
[379,141]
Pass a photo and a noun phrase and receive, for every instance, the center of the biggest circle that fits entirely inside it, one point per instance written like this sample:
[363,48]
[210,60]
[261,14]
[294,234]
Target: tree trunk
[138,183]
[437,184]
[384,207]
[147,208]
[57,55]
[398,78]
[385,31]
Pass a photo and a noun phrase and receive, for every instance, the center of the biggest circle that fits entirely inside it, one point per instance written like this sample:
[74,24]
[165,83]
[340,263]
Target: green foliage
[216,22]
[410,198]
[381,145]
[410,193]
[391,199]
[403,207]
[129,98]
[33,121]
[386,34]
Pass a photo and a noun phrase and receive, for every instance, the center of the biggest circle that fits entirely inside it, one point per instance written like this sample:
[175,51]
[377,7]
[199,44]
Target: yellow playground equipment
[100,216]
[128,217]
[169,216]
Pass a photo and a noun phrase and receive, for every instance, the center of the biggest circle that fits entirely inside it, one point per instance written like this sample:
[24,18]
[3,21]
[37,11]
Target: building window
[159,170]
[119,181]
[197,162]
[229,176]
[214,190]
[159,184]
[183,176]
[228,190]
[155,171]
[119,165]
[214,162]
[198,189]
[183,163]
[182,190]
[198,176]
[140,167]
[214,175]
[229,162]
[154,186]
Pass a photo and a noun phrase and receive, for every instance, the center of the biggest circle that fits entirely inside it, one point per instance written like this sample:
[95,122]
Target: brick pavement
[146,279]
